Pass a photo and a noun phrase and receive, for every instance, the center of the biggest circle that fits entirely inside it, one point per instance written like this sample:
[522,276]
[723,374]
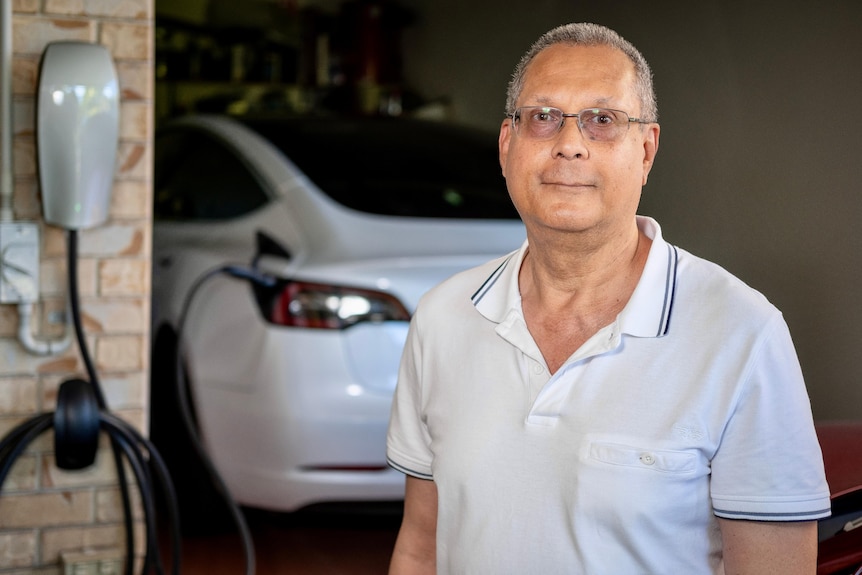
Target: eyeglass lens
[598,124]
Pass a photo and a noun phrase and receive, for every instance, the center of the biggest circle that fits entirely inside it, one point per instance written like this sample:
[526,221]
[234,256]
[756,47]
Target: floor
[331,542]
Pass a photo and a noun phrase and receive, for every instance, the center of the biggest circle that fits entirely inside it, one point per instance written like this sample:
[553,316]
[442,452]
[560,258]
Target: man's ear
[503,143]
[651,137]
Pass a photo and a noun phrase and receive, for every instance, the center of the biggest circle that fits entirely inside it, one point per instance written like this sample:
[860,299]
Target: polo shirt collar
[648,312]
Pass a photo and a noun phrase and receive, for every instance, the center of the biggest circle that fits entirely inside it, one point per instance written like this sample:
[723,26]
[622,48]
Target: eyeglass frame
[563,115]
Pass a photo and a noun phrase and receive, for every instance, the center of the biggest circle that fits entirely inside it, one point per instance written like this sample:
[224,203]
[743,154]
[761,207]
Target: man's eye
[543,117]
[602,118]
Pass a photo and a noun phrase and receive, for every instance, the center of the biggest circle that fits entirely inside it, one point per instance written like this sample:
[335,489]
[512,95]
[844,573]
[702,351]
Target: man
[599,401]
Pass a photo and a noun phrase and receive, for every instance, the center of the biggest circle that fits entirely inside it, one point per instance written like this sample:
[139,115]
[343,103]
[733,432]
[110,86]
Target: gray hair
[585,34]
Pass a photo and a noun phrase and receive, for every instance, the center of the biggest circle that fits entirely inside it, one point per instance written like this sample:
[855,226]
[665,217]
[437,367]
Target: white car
[356,218]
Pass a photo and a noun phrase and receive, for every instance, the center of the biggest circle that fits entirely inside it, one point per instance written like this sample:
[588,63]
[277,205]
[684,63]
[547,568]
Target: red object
[841,443]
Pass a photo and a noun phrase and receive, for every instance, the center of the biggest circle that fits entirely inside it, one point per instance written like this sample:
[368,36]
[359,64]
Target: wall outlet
[96,562]
[19,262]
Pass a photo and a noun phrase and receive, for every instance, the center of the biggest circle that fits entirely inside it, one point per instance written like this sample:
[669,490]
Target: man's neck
[562,266]
[569,293]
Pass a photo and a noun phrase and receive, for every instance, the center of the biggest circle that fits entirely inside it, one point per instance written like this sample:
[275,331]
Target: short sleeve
[768,466]
[408,441]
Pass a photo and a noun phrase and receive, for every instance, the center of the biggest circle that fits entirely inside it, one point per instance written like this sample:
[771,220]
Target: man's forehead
[605,73]
[579,54]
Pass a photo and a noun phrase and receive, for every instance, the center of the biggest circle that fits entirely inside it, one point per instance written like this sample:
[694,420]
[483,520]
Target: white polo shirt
[690,405]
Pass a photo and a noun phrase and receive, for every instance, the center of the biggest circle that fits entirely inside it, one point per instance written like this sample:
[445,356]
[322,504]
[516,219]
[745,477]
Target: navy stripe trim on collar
[669,290]
[489,283]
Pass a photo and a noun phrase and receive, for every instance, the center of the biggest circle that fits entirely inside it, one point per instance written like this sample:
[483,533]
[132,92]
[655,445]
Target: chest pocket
[659,461]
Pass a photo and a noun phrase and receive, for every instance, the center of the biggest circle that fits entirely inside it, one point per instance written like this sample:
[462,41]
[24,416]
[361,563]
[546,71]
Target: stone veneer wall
[44,511]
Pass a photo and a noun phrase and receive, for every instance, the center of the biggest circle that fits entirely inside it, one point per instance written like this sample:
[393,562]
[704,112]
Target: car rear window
[397,167]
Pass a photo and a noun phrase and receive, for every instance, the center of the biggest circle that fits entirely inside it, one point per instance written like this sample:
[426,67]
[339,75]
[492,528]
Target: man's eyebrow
[598,102]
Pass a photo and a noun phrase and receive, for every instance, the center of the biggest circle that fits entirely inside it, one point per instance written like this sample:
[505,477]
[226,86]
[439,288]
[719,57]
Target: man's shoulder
[709,284]
[463,285]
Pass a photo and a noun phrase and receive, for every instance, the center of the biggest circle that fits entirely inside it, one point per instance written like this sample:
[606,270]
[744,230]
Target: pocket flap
[649,459]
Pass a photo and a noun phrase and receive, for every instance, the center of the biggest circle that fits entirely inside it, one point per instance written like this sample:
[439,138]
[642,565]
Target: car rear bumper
[309,424]
[299,488]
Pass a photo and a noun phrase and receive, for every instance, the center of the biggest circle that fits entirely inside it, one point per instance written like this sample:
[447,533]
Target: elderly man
[599,401]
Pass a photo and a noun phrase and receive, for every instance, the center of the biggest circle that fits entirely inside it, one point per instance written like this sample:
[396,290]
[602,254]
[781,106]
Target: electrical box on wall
[19,262]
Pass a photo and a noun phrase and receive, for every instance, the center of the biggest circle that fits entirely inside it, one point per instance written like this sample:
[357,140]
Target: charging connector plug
[250,274]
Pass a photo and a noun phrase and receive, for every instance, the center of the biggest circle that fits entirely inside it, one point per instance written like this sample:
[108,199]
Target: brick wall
[45,511]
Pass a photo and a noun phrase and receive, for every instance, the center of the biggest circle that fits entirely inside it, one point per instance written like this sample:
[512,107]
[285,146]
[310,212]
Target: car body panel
[295,416]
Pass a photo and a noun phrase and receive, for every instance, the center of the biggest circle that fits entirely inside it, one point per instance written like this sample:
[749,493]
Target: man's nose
[570,141]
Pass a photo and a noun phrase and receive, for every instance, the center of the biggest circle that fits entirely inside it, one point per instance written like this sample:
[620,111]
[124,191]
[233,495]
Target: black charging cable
[77,323]
[254,276]
[82,413]
[80,416]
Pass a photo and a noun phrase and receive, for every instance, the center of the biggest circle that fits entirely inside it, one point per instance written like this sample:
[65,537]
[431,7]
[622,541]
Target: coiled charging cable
[81,414]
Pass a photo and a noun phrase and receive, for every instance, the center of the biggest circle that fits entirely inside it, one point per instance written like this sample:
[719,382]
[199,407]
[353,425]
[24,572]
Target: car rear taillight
[323,306]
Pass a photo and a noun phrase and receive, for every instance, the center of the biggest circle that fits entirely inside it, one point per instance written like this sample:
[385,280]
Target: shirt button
[647,458]
[538,369]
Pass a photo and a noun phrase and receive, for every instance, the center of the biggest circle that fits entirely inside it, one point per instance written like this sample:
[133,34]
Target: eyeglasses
[596,124]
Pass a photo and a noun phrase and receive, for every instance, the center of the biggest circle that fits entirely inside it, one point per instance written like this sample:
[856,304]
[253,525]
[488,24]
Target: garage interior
[749,176]
[417,58]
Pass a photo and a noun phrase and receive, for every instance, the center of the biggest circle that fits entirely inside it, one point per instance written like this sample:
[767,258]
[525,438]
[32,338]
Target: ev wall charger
[77,130]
